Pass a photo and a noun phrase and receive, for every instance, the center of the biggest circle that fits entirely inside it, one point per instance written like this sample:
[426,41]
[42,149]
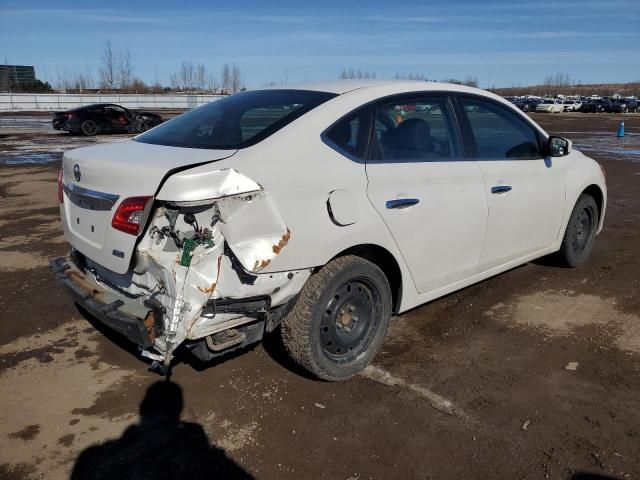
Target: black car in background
[596,106]
[624,105]
[104,118]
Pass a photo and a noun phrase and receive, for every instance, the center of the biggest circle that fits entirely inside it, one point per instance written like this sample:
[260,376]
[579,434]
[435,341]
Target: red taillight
[60,188]
[128,216]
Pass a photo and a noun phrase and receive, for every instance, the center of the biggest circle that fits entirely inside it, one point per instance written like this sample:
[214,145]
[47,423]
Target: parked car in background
[594,106]
[191,235]
[550,105]
[532,104]
[622,106]
[522,104]
[571,105]
[632,105]
[99,118]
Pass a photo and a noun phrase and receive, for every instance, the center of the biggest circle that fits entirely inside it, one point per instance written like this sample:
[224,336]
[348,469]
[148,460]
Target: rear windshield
[237,121]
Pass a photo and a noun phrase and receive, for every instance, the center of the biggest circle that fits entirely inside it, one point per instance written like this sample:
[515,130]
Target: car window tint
[236,121]
[253,120]
[418,129]
[499,133]
[347,135]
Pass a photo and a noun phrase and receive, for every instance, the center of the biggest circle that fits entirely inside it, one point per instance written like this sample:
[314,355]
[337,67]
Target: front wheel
[340,318]
[580,233]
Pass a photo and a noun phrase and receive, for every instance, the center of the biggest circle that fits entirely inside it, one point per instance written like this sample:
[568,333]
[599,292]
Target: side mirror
[559,147]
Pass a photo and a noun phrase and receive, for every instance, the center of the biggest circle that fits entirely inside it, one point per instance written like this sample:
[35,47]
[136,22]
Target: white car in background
[550,105]
[322,209]
[571,105]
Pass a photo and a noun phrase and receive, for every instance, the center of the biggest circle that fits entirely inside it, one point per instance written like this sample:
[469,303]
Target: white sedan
[550,105]
[320,210]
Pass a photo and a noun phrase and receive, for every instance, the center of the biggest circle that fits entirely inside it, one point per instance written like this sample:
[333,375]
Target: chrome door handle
[501,189]
[402,202]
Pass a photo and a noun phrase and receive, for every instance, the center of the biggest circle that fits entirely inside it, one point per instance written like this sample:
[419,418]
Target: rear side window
[414,130]
[348,135]
[237,121]
[499,133]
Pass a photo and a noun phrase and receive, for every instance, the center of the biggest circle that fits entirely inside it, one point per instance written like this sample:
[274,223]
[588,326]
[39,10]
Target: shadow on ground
[160,446]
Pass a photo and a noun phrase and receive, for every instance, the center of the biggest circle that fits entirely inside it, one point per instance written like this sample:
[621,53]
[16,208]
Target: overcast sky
[502,43]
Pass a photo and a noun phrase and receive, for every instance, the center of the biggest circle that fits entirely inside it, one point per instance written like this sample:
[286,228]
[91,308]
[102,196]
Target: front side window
[414,130]
[499,133]
[236,121]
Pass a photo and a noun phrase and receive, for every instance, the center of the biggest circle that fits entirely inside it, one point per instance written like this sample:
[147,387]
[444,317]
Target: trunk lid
[97,179]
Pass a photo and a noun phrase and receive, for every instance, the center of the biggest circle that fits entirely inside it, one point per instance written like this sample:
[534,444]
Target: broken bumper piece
[98,303]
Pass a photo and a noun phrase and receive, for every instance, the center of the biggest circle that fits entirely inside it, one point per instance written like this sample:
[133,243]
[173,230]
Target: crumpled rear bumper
[99,304]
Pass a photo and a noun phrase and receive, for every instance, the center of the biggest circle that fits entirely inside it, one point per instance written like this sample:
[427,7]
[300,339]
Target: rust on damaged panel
[282,243]
[212,288]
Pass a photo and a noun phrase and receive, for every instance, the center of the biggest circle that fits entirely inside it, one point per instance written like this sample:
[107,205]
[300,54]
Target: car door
[525,190]
[118,118]
[430,197]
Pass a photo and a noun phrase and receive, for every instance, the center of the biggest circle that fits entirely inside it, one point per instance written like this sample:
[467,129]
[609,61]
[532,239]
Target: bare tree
[125,69]
[200,79]
[236,79]
[225,76]
[351,73]
[187,75]
[213,85]
[138,86]
[471,81]
[174,80]
[108,70]
[410,76]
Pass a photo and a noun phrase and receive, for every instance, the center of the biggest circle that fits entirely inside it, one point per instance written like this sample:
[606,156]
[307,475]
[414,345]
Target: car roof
[94,105]
[400,86]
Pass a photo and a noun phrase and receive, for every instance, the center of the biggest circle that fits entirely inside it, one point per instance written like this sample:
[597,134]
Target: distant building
[15,75]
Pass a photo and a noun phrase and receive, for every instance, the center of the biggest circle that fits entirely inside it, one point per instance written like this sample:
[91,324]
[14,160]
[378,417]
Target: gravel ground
[532,374]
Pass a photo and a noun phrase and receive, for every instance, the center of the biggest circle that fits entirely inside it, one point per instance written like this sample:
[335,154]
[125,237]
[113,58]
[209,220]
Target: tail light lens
[60,188]
[129,215]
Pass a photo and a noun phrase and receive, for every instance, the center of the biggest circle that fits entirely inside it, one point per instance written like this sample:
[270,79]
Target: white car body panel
[527,218]
[449,248]
[291,203]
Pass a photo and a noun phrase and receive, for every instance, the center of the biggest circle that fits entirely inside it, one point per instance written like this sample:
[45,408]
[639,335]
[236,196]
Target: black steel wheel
[350,319]
[340,318]
[581,230]
[89,128]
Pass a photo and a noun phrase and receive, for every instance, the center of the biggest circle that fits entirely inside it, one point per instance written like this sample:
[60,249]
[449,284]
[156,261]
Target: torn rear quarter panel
[198,250]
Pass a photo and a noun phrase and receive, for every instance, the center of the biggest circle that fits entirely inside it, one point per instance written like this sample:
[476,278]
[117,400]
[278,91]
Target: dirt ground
[477,385]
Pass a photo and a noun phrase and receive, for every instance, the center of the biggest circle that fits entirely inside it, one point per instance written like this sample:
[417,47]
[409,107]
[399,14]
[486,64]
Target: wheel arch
[597,194]
[385,260]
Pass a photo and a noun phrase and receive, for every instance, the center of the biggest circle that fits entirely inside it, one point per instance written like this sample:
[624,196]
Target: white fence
[10,102]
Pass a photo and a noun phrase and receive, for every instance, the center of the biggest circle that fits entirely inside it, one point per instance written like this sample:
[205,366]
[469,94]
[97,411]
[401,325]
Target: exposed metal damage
[196,269]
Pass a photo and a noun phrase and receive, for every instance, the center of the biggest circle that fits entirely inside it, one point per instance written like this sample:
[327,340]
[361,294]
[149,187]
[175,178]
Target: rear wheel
[580,233]
[339,319]
[89,128]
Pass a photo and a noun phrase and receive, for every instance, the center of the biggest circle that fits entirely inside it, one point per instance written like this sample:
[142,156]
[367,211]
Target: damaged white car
[322,209]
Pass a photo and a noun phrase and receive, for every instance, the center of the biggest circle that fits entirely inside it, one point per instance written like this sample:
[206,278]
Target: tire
[340,318]
[89,128]
[580,234]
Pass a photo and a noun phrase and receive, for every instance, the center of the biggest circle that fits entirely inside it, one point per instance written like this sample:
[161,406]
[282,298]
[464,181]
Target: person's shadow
[159,447]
